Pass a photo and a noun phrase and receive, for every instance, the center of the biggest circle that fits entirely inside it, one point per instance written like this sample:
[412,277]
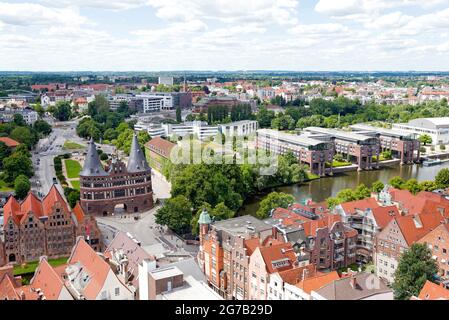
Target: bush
[442,147]
[422,150]
[104,157]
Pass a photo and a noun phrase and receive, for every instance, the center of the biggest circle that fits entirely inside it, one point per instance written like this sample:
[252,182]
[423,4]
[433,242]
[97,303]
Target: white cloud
[26,14]
[98,4]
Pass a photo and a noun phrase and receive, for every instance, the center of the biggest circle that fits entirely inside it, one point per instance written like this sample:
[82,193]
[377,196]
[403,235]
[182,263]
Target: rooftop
[242,225]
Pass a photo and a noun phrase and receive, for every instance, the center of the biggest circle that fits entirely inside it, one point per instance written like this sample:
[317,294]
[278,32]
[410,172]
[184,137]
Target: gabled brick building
[47,227]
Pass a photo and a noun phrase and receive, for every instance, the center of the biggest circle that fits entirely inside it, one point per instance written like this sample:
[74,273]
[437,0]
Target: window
[117,292]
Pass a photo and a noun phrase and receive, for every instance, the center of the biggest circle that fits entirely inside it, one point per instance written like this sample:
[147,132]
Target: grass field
[73,168]
[70,145]
[75,184]
[4,187]
[30,267]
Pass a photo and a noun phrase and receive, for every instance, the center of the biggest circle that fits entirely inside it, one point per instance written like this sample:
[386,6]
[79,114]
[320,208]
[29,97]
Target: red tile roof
[383,215]
[161,146]
[276,253]
[432,291]
[351,207]
[48,280]
[18,211]
[10,143]
[317,282]
[79,212]
[293,276]
[415,227]
[93,264]
[53,196]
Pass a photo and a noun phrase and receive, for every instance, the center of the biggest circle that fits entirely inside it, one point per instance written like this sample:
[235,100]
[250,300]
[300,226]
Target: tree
[62,111]
[346,195]
[428,186]
[387,155]
[24,135]
[4,152]
[283,122]
[413,186]
[332,202]
[18,120]
[442,179]
[175,214]
[39,109]
[22,186]
[396,182]
[42,127]
[377,186]
[425,139]
[272,201]
[362,192]
[264,117]
[178,114]
[415,267]
[17,164]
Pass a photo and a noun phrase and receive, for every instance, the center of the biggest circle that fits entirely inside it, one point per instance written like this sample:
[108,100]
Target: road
[47,149]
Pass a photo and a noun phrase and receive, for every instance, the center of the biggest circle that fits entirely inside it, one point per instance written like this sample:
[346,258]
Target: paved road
[145,230]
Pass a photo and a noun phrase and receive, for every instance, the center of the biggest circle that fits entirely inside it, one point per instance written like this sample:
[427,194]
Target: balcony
[351,255]
[340,249]
[339,258]
[352,245]
[339,241]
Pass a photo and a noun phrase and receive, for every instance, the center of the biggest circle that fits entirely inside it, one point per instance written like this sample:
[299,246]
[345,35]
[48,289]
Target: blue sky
[302,35]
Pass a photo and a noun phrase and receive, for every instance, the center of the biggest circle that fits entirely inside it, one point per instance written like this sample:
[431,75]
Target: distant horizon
[230,71]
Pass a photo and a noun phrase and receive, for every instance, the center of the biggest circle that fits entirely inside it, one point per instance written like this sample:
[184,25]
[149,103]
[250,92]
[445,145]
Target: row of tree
[198,186]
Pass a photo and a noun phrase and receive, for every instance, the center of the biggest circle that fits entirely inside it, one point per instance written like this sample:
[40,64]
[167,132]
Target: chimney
[22,295]
[304,274]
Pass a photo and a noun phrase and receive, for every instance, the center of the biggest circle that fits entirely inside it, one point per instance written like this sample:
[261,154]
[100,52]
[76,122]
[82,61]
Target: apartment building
[356,147]
[223,255]
[368,218]
[403,145]
[278,280]
[265,261]
[303,289]
[327,242]
[315,153]
[437,241]
[399,234]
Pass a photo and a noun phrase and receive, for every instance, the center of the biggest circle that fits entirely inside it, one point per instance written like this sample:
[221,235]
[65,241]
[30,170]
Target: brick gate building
[128,187]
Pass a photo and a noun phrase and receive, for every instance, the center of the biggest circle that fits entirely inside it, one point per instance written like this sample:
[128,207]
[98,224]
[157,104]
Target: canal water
[321,189]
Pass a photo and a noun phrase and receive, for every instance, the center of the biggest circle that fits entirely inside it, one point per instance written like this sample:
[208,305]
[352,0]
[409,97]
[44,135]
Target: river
[321,189]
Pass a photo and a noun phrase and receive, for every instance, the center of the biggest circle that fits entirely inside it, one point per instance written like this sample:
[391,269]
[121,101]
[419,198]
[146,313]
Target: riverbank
[320,189]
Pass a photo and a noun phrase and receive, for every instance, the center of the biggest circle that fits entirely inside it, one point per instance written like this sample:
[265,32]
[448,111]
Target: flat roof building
[313,152]
[436,128]
[404,145]
[356,147]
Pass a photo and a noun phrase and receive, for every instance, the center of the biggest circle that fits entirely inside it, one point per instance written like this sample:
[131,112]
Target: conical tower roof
[204,218]
[137,161]
[92,165]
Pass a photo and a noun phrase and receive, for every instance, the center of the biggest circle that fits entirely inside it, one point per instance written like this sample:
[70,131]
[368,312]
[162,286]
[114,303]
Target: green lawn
[70,145]
[75,184]
[73,168]
[30,267]
[337,164]
[4,187]
[381,158]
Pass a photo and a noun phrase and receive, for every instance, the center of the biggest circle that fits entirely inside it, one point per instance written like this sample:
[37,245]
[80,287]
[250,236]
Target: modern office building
[356,147]
[313,152]
[239,128]
[436,128]
[199,129]
[403,145]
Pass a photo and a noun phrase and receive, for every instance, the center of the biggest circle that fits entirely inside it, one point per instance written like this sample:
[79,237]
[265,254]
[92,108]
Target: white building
[167,81]
[198,129]
[154,103]
[239,128]
[154,130]
[436,128]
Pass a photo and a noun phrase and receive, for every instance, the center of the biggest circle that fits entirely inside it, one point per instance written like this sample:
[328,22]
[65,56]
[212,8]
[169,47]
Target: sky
[163,35]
